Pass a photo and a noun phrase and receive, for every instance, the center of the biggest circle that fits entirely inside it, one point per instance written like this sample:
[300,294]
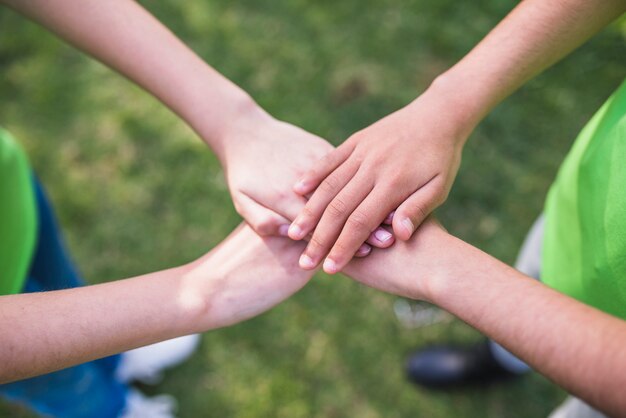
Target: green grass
[136,191]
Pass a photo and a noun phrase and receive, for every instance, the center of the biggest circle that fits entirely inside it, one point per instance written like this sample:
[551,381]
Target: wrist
[440,268]
[197,289]
[218,124]
[246,125]
[450,95]
[463,271]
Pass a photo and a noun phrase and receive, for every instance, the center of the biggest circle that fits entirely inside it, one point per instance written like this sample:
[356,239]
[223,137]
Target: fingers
[264,221]
[380,238]
[314,177]
[286,204]
[365,219]
[389,219]
[321,200]
[335,216]
[363,251]
[416,208]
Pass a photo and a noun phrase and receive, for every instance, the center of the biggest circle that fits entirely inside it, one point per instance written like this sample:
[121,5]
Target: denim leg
[86,390]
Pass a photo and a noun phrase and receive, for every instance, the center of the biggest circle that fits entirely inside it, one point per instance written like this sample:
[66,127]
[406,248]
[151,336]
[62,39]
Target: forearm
[534,36]
[124,36]
[242,277]
[47,331]
[579,347]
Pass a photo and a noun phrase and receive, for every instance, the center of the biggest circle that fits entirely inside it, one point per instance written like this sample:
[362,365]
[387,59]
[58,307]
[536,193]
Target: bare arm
[246,139]
[409,159]
[124,36]
[579,347]
[241,278]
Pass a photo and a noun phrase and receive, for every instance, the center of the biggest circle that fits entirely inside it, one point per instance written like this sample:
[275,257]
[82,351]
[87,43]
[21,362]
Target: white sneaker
[140,406]
[146,364]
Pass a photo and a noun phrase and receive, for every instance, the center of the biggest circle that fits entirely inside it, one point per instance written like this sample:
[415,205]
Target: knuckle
[340,250]
[316,244]
[396,181]
[330,185]
[358,220]
[326,162]
[337,208]
[308,213]
[311,175]
[420,210]
[264,227]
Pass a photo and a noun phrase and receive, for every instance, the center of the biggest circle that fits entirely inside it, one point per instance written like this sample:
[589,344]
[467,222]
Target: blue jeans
[87,390]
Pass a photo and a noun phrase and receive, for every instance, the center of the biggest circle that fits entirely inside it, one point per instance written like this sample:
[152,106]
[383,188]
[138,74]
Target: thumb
[262,220]
[415,209]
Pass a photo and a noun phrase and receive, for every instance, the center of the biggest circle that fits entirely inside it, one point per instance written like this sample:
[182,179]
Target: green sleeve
[17,215]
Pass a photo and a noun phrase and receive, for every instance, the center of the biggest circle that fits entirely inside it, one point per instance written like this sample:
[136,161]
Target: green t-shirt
[17,215]
[584,247]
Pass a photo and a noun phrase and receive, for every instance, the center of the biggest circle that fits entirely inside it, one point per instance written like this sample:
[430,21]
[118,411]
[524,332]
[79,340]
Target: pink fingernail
[408,225]
[382,235]
[283,230]
[330,266]
[306,262]
[364,250]
[295,232]
[389,219]
[300,185]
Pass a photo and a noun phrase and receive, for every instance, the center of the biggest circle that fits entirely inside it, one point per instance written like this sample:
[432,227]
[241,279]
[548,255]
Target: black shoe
[447,367]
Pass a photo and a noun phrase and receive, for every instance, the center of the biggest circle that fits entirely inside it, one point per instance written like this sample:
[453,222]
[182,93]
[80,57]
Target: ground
[137,191]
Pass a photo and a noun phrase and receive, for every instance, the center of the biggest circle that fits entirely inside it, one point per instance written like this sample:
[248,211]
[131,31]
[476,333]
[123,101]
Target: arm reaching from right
[408,160]
[578,347]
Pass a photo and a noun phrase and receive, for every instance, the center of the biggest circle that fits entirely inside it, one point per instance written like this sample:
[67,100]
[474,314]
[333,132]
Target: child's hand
[244,276]
[411,268]
[405,162]
[263,158]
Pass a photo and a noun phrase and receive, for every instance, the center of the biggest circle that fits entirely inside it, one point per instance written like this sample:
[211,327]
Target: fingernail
[283,230]
[364,250]
[295,232]
[389,218]
[306,262]
[382,235]
[408,225]
[300,185]
[330,266]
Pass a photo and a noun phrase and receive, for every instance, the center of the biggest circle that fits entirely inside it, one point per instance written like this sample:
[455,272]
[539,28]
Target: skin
[248,274]
[269,189]
[222,288]
[124,36]
[242,277]
[409,159]
[586,356]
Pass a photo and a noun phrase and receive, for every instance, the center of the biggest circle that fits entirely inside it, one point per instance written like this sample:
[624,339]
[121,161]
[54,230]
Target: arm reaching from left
[242,277]
[580,348]
[127,38]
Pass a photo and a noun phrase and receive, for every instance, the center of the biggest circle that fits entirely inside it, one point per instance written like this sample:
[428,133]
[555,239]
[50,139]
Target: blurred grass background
[136,191]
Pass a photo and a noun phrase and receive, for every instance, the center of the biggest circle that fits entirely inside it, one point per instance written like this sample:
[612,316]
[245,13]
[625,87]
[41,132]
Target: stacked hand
[405,163]
[262,159]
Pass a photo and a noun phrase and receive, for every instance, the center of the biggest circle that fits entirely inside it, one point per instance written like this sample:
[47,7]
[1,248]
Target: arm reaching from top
[254,149]
[242,277]
[409,159]
[124,36]
[580,348]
